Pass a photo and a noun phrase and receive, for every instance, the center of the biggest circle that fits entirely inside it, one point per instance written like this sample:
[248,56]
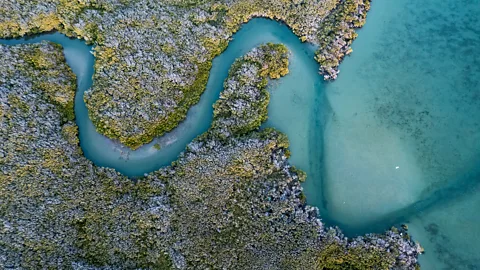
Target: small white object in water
[398,167]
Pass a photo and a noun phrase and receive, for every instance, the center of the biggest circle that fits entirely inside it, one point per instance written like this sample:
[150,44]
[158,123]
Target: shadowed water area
[395,139]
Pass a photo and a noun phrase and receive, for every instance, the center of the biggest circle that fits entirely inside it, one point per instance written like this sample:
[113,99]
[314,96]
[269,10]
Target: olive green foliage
[300,16]
[339,23]
[119,231]
[188,3]
[56,207]
[191,97]
[385,251]
[227,203]
[335,256]
[47,63]
[242,106]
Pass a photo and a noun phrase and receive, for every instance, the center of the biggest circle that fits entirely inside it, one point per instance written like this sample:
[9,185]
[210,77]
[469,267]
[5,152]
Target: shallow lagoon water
[402,144]
[396,139]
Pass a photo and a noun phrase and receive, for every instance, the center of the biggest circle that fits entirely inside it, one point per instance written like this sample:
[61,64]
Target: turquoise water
[402,142]
[107,153]
[395,139]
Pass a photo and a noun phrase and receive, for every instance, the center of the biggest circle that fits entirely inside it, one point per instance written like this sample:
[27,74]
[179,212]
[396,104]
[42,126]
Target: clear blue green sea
[401,143]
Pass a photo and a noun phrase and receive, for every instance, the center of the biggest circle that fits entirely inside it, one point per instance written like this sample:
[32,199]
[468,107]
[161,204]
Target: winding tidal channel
[395,139]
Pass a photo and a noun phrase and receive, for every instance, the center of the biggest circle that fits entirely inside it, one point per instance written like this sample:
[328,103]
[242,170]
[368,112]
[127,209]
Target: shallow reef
[231,200]
[153,57]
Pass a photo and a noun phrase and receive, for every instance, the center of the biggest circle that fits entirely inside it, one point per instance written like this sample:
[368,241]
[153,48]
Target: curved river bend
[303,78]
[396,139]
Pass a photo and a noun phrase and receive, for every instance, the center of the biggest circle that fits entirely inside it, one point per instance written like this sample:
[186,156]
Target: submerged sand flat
[402,143]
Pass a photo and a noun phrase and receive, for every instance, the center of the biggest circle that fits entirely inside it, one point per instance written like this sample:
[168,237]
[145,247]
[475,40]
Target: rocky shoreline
[153,57]
[231,200]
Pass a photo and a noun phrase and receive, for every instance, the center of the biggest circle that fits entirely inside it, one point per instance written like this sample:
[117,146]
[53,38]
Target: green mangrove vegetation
[153,57]
[231,200]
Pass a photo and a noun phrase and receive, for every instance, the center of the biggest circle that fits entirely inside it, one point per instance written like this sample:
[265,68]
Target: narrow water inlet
[135,163]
